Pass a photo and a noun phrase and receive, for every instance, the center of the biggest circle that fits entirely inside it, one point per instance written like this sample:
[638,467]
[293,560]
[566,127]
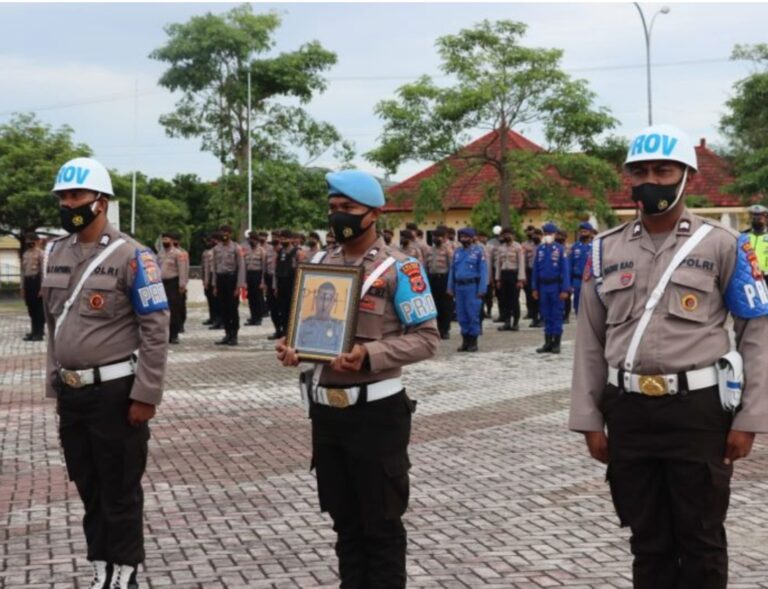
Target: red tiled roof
[471,183]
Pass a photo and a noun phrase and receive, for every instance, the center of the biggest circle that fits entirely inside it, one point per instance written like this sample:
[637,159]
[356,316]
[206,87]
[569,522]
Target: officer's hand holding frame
[324,309]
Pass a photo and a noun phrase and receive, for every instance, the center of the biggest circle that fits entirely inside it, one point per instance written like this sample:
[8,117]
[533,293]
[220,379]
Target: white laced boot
[99,575]
[121,575]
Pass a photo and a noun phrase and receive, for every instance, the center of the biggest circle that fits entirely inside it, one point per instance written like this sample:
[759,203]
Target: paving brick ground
[502,495]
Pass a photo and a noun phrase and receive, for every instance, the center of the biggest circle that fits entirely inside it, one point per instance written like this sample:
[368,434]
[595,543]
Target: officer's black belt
[226,273]
[462,282]
[549,280]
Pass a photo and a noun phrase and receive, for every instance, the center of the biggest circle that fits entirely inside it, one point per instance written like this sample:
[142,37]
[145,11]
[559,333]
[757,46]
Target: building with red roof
[471,183]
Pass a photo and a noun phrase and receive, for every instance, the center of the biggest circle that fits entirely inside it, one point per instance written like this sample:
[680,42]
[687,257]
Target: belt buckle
[337,398]
[71,378]
[654,385]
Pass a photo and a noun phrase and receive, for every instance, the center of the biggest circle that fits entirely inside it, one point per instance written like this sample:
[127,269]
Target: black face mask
[225,238]
[347,226]
[536,240]
[438,241]
[506,239]
[404,243]
[387,239]
[312,243]
[465,242]
[166,244]
[656,199]
[78,218]
[758,226]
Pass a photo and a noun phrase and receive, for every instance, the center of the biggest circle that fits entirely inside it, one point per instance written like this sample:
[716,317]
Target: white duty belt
[82,378]
[658,385]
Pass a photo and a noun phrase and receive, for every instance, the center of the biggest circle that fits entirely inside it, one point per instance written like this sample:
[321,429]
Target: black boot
[535,323]
[516,325]
[472,347]
[547,347]
[464,344]
[226,339]
[232,339]
[505,327]
[555,349]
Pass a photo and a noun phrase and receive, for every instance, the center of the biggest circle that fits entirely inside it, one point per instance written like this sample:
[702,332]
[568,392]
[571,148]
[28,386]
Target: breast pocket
[370,319]
[619,294]
[690,295]
[97,298]
[55,292]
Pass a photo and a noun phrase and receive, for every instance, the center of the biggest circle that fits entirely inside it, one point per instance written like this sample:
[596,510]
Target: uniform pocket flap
[618,281]
[691,279]
[100,282]
[58,280]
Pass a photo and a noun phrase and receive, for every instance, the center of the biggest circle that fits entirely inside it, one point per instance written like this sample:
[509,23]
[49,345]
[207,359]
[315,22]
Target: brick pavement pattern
[503,496]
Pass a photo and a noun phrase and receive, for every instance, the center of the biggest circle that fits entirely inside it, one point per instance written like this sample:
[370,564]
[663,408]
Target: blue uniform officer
[468,282]
[551,284]
[578,260]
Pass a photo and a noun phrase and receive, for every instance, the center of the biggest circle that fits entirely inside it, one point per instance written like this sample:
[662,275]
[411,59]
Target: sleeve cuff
[750,423]
[586,422]
[376,353]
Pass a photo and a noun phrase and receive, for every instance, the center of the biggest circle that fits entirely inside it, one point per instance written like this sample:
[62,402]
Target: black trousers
[360,454]
[531,303]
[670,486]
[271,299]
[444,303]
[183,315]
[34,303]
[228,302]
[171,286]
[255,296]
[213,312]
[510,295]
[106,459]
[283,302]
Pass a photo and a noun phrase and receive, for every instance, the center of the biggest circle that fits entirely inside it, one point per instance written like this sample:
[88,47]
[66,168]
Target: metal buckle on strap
[71,378]
[337,398]
[654,385]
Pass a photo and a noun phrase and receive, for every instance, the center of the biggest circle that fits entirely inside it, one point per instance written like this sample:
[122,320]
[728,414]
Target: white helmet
[84,173]
[497,229]
[662,142]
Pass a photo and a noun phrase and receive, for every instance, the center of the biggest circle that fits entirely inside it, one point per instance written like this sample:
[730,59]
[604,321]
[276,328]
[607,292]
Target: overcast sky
[79,64]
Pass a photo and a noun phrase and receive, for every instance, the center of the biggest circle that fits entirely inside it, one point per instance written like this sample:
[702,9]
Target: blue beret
[468,231]
[550,228]
[356,185]
[586,226]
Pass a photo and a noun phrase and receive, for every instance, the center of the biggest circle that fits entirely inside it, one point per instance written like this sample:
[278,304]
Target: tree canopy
[499,84]
[31,153]
[209,58]
[745,125]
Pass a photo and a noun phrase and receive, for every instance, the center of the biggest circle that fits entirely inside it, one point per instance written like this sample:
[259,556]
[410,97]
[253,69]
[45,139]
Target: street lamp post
[250,160]
[648,30]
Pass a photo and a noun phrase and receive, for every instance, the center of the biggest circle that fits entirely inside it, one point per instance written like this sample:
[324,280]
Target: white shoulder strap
[658,292]
[88,271]
[46,255]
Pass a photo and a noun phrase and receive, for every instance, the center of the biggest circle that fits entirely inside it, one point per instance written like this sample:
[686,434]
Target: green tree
[31,154]
[209,58]
[745,126]
[500,84]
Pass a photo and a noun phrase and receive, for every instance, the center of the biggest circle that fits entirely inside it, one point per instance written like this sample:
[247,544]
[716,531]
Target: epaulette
[613,230]
[718,225]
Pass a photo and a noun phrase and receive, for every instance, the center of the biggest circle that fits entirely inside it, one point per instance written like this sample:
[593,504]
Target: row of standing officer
[174,268]
[31,278]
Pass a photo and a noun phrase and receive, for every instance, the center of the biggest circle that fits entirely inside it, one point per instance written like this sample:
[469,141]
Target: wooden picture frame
[324,308]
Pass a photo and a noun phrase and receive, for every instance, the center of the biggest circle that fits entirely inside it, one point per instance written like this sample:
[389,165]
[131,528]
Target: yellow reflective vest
[759,243]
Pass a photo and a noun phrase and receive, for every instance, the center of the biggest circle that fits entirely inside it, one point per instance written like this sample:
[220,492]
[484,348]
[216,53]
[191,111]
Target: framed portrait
[324,309]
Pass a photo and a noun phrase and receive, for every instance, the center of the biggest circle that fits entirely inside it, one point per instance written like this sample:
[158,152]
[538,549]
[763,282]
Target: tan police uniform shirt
[424,248]
[510,256]
[227,258]
[390,345]
[32,262]
[255,257]
[207,261]
[412,250]
[271,258]
[439,259]
[102,327]
[687,330]
[173,265]
[529,248]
